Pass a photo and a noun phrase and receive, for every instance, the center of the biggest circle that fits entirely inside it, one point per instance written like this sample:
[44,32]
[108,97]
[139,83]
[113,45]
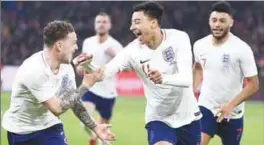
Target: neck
[217,42]
[102,38]
[155,40]
[51,60]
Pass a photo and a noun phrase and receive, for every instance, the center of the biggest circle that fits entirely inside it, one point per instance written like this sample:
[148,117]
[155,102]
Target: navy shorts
[50,136]
[186,135]
[229,132]
[103,105]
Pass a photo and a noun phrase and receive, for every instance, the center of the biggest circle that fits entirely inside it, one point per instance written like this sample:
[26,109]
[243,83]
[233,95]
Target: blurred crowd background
[22,23]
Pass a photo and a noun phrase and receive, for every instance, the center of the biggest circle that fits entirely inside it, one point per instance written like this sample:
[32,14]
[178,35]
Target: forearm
[245,94]
[197,77]
[82,114]
[177,80]
[69,97]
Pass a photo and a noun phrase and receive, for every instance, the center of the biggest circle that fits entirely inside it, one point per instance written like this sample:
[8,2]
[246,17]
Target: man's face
[220,24]
[68,47]
[102,24]
[142,26]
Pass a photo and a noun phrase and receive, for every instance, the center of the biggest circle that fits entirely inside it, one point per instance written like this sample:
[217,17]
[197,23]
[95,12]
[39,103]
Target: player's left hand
[82,58]
[224,112]
[103,132]
[110,51]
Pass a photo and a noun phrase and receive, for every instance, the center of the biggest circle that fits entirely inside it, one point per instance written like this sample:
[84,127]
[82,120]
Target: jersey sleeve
[195,52]
[183,78]
[118,47]
[119,63]
[85,46]
[247,62]
[72,78]
[39,85]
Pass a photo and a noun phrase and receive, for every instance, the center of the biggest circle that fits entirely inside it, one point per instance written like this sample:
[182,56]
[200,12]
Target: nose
[132,27]
[75,48]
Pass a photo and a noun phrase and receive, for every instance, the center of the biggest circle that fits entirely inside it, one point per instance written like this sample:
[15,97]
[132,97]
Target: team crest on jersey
[65,80]
[168,54]
[226,59]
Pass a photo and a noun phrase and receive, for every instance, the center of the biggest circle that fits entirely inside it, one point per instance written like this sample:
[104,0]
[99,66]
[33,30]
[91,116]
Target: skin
[220,24]
[148,32]
[61,52]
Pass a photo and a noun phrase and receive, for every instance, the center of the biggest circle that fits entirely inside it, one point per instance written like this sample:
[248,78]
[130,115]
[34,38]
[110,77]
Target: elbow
[56,112]
[256,86]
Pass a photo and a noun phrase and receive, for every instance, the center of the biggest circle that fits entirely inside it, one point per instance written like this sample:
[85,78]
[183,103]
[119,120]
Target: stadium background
[21,36]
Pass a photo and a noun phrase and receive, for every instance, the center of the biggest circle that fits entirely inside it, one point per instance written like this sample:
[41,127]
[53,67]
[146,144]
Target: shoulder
[32,65]
[172,33]
[114,41]
[89,39]
[203,41]
[237,42]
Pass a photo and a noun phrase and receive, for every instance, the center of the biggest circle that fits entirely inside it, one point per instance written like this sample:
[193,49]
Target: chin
[217,36]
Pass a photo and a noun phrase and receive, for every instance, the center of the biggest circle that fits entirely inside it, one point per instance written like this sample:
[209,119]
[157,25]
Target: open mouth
[218,30]
[137,33]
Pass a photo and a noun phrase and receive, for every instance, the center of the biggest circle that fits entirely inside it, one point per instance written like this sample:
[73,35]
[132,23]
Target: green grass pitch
[128,124]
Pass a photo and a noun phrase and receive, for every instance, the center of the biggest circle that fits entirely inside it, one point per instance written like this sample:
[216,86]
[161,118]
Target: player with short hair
[162,58]
[223,60]
[44,88]
[103,47]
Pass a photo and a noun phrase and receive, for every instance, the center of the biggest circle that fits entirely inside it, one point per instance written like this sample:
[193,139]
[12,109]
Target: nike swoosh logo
[144,61]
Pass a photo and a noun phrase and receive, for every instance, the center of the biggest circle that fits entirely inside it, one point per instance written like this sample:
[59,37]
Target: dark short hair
[104,14]
[151,9]
[56,30]
[223,7]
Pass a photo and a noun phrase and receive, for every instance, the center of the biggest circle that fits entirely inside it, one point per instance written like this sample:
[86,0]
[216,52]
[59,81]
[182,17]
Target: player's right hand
[89,79]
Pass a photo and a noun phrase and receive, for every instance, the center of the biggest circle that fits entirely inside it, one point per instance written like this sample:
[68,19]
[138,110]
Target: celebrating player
[162,58]
[223,61]
[103,47]
[44,88]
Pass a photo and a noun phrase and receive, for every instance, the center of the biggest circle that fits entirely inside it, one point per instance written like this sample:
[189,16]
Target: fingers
[220,118]
[155,76]
[108,125]
[82,58]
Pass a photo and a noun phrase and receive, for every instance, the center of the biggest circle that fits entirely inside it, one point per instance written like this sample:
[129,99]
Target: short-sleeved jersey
[224,68]
[107,87]
[34,84]
[173,105]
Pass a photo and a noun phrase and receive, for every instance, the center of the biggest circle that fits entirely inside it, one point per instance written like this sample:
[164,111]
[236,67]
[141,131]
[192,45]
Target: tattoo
[80,112]
[70,98]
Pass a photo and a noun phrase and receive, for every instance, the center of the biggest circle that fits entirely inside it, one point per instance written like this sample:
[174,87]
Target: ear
[154,23]
[59,46]
[231,22]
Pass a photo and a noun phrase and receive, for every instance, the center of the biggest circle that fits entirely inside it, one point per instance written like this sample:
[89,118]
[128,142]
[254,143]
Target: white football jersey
[224,68]
[35,83]
[107,87]
[172,102]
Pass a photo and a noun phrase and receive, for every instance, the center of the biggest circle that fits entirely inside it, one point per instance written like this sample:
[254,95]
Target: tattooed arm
[82,114]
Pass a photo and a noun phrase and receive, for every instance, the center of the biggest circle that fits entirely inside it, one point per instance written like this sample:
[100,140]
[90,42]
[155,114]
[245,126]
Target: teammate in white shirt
[222,61]
[44,88]
[162,58]
[103,47]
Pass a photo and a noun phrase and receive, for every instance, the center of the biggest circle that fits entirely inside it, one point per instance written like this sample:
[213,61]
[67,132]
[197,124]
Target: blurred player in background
[103,47]
[44,88]
[162,58]
[223,61]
